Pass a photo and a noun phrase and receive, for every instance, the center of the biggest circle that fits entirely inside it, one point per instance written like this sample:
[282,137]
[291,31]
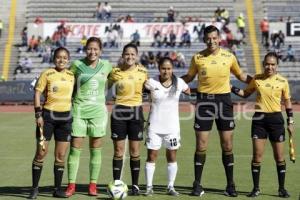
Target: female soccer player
[53,118]
[127,115]
[165,91]
[267,120]
[89,112]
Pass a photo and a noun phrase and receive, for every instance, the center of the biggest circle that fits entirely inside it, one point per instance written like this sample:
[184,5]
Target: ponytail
[174,86]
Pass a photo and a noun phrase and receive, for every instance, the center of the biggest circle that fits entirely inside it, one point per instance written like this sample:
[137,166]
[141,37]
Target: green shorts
[94,127]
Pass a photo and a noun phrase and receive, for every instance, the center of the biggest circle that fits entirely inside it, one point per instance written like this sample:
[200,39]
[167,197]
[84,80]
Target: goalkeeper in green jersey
[89,112]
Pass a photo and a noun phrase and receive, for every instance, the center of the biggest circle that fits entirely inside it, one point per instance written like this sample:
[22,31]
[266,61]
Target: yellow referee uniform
[270,91]
[127,115]
[57,88]
[129,85]
[214,71]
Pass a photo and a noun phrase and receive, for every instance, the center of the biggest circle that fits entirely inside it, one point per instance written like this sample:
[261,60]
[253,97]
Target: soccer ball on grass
[117,190]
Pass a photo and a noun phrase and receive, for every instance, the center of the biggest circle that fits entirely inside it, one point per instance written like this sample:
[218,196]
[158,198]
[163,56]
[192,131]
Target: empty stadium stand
[275,9]
[140,10]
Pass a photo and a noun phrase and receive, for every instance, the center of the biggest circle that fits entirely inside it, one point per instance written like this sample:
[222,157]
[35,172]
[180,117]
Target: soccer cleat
[254,193]
[33,193]
[230,191]
[135,190]
[149,191]
[283,193]
[70,189]
[172,191]
[197,189]
[58,193]
[93,189]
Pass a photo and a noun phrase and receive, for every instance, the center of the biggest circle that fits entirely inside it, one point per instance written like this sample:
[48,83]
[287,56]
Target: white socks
[172,172]
[149,172]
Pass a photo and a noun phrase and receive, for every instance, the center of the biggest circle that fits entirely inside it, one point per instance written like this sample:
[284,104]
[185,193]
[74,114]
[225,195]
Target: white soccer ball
[117,190]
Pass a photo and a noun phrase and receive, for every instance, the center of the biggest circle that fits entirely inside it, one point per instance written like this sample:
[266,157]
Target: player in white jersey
[165,91]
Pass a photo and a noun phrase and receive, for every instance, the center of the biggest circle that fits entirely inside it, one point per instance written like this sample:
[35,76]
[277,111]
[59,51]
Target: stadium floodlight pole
[42,139]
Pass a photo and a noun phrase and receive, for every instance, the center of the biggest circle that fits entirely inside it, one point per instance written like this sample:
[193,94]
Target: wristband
[38,112]
[37,109]
[235,90]
[289,112]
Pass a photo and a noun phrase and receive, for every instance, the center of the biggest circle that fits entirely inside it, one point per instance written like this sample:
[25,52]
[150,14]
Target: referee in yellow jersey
[213,66]
[267,120]
[53,118]
[127,115]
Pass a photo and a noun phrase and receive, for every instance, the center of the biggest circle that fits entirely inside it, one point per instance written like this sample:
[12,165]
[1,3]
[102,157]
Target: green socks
[73,164]
[95,164]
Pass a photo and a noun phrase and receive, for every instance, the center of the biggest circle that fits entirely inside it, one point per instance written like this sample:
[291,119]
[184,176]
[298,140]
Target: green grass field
[17,145]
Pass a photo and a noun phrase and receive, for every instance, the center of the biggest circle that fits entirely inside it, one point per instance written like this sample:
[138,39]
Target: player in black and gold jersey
[53,118]
[127,114]
[267,120]
[213,66]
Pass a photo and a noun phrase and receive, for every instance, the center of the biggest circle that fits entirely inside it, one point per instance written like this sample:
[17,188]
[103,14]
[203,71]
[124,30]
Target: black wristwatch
[38,115]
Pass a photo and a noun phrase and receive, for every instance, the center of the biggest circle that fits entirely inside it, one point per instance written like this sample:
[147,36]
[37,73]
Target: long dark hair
[174,78]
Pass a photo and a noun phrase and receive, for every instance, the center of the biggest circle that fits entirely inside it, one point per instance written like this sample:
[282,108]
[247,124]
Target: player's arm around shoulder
[108,66]
[246,78]
[149,84]
[187,78]
[193,70]
[113,76]
[251,87]
[74,65]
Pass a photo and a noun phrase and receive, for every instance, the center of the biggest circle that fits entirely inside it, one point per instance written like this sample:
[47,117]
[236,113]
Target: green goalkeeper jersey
[89,91]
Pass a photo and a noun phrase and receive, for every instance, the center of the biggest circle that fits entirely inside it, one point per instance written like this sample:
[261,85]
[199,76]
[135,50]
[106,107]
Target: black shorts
[210,107]
[57,123]
[266,125]
[125,121]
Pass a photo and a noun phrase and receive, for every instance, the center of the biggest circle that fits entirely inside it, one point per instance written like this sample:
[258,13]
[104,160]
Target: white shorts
[155,140]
